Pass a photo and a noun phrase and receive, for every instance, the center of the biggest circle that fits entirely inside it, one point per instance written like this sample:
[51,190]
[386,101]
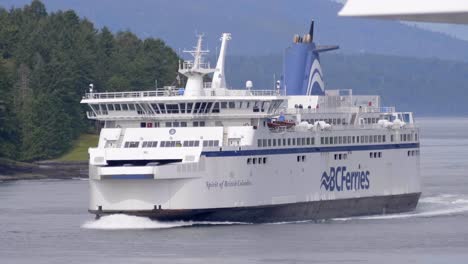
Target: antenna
[311,31]
[197,53]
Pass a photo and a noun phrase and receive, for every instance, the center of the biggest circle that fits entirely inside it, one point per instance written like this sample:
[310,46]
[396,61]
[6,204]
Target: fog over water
[47,222]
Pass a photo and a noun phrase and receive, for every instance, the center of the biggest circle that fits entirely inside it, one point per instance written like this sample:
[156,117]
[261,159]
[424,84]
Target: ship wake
[440,205]
[122,222]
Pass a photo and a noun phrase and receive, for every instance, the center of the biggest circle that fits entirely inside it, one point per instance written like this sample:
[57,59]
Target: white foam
[440,205]
[122,221]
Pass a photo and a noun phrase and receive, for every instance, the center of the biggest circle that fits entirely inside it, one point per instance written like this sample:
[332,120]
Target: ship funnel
[302,73]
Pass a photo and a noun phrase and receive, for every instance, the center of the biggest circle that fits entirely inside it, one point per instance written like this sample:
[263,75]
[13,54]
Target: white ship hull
[223,187]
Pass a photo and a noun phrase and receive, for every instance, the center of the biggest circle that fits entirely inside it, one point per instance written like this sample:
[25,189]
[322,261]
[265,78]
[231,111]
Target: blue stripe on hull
[129,176]
[307,150]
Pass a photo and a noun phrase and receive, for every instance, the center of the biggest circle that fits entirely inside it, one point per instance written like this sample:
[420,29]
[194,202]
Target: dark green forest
[428,87]
[47,62]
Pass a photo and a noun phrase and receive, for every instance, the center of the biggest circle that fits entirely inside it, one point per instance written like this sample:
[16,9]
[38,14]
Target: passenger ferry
[294,152]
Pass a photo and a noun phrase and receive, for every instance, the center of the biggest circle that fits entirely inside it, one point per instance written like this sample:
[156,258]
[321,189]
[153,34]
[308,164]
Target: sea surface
[46,221]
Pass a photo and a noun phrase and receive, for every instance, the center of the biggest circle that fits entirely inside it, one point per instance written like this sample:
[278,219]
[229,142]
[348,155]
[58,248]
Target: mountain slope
[426,86]
[260,27]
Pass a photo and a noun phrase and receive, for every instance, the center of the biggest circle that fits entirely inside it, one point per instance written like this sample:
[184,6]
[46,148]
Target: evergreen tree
[52,58]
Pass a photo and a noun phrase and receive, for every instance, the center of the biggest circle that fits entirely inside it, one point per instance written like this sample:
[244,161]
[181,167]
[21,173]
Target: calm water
[47,222]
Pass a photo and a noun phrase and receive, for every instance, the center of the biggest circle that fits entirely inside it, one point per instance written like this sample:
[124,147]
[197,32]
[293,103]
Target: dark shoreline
[13,170]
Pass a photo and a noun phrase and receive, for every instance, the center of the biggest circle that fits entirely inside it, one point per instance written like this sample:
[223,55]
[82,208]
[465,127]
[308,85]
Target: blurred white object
[447,11]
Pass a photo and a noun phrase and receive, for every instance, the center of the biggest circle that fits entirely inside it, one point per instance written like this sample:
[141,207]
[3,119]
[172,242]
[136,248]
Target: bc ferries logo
[315,85]
[340,179]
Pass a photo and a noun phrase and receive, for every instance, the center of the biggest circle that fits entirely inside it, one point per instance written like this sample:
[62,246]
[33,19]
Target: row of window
[210,143]
[408,137]
[191,143]
[341,156]
[333,121]
[260,160]
[192,107]
[150,144]
[172,124]
[332,140]
[273,142]
[370,120]
[211,107]
[413,153]
[171,144]
[352,139]
[116,107]
[375,155]
[131,144]
[301,158]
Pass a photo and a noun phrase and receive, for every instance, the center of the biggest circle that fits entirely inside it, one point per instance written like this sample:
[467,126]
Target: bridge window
[139,110]
[162,107]
[208,107]
[182,108]
[216,107]
[189,108]
[172,108]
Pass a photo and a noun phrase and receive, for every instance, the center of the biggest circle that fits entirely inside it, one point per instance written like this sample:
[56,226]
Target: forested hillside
[425,86]
[48,60]
[261,27]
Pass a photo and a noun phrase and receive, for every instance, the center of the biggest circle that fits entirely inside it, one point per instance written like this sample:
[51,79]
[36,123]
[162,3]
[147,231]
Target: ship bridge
[168,104]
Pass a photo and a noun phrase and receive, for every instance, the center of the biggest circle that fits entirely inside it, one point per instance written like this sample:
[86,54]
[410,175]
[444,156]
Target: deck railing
[173,91]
